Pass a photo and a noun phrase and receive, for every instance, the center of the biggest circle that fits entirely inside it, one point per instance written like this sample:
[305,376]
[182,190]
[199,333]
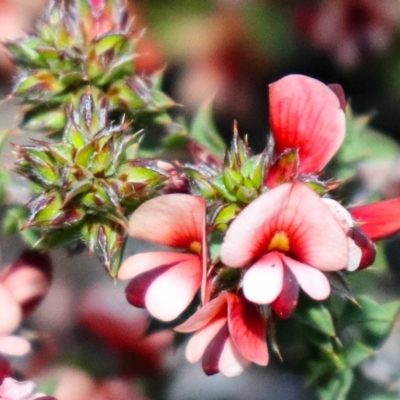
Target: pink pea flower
[166,282]
[23,284]
[364,225]
[105,312]
[351,30]
[230,333]
[307,118]
[75,384]
[288,237]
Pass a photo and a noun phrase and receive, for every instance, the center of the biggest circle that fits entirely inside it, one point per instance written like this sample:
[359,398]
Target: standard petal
[231,362]
[289,218]
[263,282]
[307,115]
[143,262]
[378,220]
[311,280]
[247,329]
[171,292]
[204,315]
[201,339]
[174,220]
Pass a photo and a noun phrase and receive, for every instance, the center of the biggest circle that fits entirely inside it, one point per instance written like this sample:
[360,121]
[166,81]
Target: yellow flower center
[280,241]
[195,247]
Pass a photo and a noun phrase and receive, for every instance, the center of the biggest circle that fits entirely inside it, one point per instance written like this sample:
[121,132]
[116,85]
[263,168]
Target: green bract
[86,182]
[75,46]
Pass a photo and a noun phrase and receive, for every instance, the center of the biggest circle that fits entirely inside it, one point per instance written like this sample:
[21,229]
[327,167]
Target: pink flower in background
[104,311]
[229,334]
[350,30]
[23,284]
[288,237]
[166,282]
[75,384]
[306,118]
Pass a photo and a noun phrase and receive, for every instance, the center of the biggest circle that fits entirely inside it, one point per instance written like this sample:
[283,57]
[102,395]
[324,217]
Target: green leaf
[357,353]
[205,132]
[337,387]
[373,321]
[317,316]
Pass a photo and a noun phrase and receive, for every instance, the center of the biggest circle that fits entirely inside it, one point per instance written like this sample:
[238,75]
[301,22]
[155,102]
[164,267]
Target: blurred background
[232,50]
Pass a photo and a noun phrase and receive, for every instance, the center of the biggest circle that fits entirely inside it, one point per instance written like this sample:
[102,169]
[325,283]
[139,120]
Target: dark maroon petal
[368,250]
[338,90]
[28,279]
[137,287]
[46,398]
[213,351]
[33,259]
[5,368]
[285,304]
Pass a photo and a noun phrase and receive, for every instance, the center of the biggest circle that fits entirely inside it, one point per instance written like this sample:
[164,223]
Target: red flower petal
[378,220]
[295,211]
[205,314]
[307,115]
[285,304]
[247,329]
[263,282]
[174,220]
[284,169]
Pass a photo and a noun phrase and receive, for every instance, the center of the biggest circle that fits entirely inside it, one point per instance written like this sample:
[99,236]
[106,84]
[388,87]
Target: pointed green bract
[86,182]
[76,45]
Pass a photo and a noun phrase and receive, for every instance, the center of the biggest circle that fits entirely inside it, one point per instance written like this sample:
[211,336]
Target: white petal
[355,255]
[231,362]
[14,345]
[263,282]
[311,280]
[171,292]
[10,312]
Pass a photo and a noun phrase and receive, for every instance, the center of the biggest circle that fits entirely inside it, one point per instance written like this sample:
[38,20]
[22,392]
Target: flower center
[195,247]
[280,241]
